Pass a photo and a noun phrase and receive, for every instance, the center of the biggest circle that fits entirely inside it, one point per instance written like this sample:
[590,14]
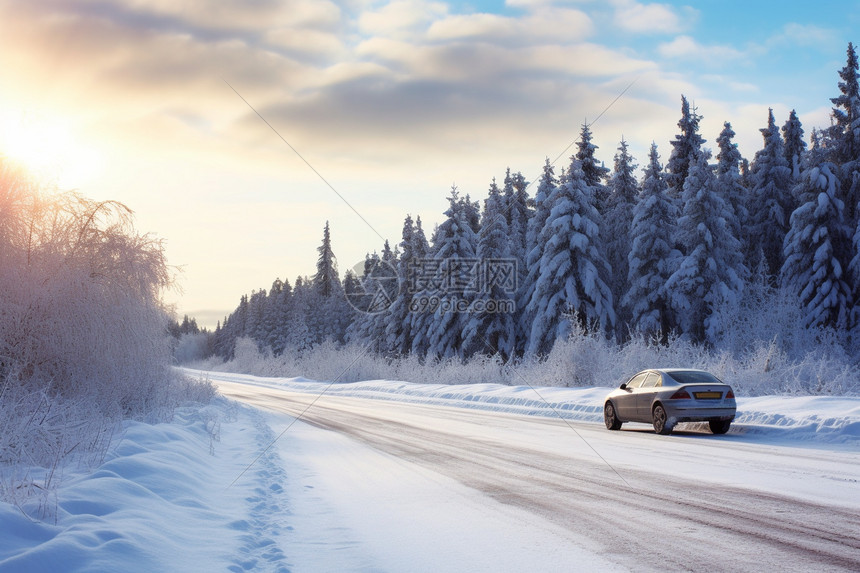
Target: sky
[172,107]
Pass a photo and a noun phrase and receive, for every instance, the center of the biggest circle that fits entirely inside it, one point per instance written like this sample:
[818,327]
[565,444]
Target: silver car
[667,396]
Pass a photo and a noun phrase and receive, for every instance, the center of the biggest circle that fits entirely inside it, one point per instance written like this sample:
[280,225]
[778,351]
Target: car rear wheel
[661,421]
[609,418]
[719,426]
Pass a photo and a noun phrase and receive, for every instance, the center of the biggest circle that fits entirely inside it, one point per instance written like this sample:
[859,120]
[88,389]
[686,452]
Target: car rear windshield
[694,377]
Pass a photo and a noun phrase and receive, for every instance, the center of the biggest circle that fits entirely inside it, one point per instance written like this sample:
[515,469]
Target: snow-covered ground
[241,487]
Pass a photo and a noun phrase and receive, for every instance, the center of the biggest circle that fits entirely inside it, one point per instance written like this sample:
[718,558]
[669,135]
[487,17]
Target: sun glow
[48,149]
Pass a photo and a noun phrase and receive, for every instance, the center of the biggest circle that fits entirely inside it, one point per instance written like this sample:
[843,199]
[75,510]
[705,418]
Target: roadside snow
[820,419]
[160,503]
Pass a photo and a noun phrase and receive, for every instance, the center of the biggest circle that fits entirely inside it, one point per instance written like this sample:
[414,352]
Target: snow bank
[159,503]
[823,419]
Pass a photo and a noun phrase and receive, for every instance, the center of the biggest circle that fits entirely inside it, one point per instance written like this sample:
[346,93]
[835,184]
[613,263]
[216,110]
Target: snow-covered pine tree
[571,283]
[413,246]
[770,199]
[280,317]
[329,314]
[235,326]
[545,188]
[594,172]
[517,212]
[472,214]
[652,258]
[854,278]
[254,327]
[506,198]
[845,132]
[844,135]
[795,146]
[518,215]
[371,326]
[709,275]
[685,149]
[730,185]
[534,252]
[326,281]
[492,330]
[299,336]
[271,318]
[617,223]
[365,328]
[439,334]
[813,270]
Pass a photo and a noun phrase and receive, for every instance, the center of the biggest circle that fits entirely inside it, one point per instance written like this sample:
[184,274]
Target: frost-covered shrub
[82,328]
[80,314]
[586,359]
[191,347]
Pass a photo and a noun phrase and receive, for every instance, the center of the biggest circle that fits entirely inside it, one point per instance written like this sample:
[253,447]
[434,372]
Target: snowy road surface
[415,486]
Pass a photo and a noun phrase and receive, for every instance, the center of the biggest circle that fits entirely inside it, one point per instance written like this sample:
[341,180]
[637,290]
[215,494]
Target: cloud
[685,47]
[549,24]
[650,18]
[728,82]
[401,18]
[807,35]
[473,26]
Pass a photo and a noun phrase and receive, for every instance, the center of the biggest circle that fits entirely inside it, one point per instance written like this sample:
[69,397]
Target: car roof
[670,370]
[680,382]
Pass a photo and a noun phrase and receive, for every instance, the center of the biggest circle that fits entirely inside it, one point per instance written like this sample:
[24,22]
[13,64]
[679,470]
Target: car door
[645,396]
[625,404]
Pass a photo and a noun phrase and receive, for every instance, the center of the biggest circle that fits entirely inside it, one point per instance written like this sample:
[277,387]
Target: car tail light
[680,395]
[730,395]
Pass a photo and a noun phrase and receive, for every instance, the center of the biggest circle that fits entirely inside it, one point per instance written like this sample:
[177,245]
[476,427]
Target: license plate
[708,395]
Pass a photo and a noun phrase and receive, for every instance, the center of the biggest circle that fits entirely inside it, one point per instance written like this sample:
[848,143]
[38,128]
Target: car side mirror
[623,386]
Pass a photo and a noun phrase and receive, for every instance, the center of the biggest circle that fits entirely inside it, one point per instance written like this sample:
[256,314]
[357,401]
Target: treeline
[692,249]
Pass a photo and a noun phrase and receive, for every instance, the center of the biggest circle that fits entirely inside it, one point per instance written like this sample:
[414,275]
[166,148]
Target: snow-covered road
[420,486]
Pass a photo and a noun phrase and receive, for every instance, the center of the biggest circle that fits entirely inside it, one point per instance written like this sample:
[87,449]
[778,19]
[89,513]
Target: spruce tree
[685,149]
[845,137]
[616,230]
[730,185]
[795,146]
[490,329]
[439,334]
[812,268]
[518,215]
[593,171]
[534,252]
[571,283]
[710,274]
[771,202]
[398,335]
[471,213]
[845,130]
[652,258]
[329,315]
[854,279]
[281,311]
[326,281]
[299,337]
